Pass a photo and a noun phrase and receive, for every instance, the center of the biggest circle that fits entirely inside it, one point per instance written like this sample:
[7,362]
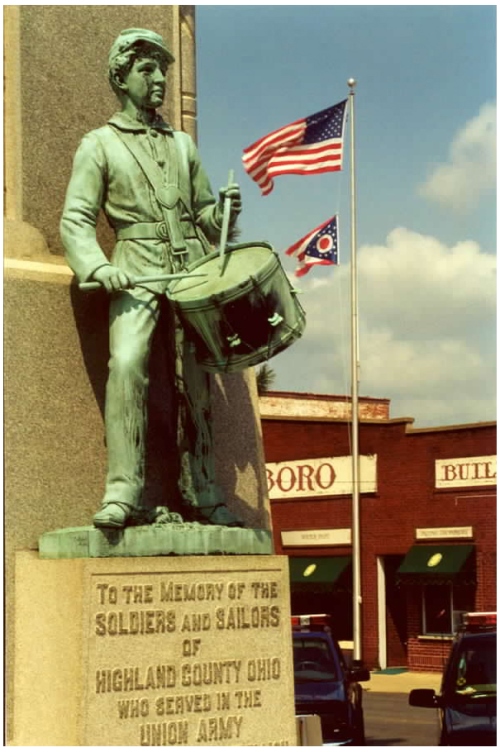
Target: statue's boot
[218,514]
[113,514]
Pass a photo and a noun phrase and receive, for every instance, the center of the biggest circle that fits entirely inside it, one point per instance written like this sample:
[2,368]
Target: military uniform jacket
[107,176]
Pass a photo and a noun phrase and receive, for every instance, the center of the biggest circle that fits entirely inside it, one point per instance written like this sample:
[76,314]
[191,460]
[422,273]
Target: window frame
[455,615]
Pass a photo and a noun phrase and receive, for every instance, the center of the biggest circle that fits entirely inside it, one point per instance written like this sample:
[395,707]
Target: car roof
[477,637]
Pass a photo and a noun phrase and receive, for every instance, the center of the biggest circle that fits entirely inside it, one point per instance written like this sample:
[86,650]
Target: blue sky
[426,205]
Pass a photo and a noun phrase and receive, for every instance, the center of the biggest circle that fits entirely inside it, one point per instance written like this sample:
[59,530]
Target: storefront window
[443,606]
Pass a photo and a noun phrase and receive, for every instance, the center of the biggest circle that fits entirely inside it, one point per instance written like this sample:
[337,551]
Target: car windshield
[313,660]
[475,673]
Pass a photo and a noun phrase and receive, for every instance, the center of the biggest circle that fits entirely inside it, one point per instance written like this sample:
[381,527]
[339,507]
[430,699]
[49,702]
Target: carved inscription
[188,660]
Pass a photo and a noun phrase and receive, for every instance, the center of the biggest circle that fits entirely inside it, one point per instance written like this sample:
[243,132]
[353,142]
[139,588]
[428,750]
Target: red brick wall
[428,655]
[405,499]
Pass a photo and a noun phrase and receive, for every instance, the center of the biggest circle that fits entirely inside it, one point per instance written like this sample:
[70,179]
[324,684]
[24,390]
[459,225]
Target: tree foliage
[265,378]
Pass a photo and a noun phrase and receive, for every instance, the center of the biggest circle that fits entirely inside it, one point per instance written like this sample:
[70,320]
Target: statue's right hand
[113,279]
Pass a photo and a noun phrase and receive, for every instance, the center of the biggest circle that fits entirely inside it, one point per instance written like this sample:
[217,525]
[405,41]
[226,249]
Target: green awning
[436,559]
[325,569]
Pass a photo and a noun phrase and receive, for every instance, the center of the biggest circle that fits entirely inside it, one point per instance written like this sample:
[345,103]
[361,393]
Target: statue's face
[145,83]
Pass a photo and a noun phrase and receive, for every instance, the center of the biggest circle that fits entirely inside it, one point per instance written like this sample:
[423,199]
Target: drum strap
[165,187]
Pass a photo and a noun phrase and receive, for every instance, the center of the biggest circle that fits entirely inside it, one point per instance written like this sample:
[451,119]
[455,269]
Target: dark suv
[467,701]
[324,684]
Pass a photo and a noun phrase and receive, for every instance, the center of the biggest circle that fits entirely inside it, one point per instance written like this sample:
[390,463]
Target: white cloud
[470,171]
[427,330]
[426,285]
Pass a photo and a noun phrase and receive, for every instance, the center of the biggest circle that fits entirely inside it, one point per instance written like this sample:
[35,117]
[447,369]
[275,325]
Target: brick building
[427,521]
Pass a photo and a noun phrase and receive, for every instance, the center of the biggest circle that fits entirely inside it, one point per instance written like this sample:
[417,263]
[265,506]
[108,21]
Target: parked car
[466,704]
[324,684]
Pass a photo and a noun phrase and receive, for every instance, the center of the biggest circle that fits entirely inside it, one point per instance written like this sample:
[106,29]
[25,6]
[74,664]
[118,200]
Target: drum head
[238,265]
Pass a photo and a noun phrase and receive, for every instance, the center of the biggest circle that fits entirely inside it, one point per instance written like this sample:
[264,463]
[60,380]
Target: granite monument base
[154,651]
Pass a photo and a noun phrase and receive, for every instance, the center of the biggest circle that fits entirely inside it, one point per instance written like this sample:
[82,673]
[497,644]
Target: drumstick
[141,280]
[225,224]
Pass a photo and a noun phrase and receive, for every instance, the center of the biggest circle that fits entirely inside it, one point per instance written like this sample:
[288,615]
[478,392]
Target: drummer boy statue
[150,183]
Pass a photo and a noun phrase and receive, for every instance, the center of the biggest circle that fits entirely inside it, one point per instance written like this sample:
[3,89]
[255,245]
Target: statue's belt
[151,231]
[166,189]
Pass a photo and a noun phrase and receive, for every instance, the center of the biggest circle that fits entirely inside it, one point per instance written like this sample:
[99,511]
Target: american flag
[306,147]
[320,246]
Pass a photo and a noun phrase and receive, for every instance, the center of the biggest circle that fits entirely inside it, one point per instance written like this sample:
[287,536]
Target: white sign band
[328,476]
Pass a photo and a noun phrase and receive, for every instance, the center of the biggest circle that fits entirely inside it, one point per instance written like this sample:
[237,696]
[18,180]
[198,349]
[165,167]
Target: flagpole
[356,553]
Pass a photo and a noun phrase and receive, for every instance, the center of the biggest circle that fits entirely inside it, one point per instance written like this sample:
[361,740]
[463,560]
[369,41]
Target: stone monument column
[55,346]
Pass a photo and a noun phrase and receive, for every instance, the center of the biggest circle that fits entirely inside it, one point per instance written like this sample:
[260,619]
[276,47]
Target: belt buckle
[179,251]
[162,230]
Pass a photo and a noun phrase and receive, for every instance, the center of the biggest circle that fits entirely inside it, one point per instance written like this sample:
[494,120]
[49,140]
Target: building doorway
[396,619]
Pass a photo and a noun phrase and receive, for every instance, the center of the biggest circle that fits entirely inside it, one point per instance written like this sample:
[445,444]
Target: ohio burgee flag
[305,147]
[320,246]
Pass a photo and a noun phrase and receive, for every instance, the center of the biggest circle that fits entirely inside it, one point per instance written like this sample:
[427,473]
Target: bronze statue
[149,181]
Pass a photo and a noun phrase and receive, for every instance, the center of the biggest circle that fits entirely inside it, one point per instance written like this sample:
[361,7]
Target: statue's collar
[126,123]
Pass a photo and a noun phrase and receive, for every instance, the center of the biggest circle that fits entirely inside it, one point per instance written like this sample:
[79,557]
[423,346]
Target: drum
[242,316]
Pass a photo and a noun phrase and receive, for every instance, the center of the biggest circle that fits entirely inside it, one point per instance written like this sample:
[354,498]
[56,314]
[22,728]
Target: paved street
[391,722]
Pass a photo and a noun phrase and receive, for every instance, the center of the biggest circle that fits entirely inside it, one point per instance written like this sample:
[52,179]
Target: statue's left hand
[232,191]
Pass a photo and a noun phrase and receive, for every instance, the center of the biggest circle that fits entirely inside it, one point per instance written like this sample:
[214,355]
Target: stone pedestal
[163,651]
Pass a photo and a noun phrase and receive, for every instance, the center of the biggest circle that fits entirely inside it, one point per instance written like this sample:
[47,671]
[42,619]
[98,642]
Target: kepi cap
[127,38]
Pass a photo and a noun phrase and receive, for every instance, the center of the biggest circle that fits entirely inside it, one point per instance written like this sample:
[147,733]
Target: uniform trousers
[134,315]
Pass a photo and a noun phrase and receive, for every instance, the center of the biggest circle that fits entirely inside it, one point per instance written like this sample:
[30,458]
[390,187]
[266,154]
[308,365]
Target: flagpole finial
[351,82]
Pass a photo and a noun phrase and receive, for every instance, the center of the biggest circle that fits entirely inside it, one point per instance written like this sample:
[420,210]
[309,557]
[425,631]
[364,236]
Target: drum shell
[245,323]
